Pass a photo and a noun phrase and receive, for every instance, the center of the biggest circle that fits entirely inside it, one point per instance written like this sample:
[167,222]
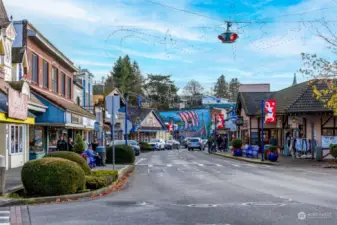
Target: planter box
[36,155]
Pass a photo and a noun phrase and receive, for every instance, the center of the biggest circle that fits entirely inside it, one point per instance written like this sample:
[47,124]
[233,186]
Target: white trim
[54,50]
[36,108]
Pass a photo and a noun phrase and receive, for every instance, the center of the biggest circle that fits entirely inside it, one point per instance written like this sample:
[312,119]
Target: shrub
[72,156]
[144,146]
[237,143]
[101,178]
[333,150]
[79,146]
[272,148]
[52,176]
[123,154]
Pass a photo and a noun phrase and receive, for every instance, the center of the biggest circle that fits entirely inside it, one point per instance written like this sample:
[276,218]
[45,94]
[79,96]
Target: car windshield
[155,140]
[194,140]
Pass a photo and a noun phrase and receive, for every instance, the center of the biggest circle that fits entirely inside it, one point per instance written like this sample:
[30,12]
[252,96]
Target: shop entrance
[16,145]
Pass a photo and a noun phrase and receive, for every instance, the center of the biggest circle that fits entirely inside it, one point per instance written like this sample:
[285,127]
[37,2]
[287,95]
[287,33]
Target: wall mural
[189,123]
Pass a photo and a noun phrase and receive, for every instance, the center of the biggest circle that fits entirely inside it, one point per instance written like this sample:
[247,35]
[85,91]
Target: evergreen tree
[221,88]
[79,146]
[234,85]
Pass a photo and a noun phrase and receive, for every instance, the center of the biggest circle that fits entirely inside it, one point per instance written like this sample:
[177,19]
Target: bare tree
[193,88]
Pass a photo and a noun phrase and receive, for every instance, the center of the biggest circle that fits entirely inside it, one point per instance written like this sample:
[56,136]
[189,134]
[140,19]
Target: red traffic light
[221,38]
[228,37]
[234,36]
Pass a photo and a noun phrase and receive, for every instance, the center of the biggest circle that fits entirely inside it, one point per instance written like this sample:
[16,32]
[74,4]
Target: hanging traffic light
[228,36]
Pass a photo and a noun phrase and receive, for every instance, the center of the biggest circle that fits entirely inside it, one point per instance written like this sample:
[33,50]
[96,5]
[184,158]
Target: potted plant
[237,144]
[272,153]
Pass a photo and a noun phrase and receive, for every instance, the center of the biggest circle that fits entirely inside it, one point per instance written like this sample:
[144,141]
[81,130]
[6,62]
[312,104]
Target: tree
[79,146]
[194,91]
[234,85]
[221,88]
[161,90]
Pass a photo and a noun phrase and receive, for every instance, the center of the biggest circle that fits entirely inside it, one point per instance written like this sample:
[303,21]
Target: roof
[4,21]
[62,103]
[297,98]
[136,113]
[17,55]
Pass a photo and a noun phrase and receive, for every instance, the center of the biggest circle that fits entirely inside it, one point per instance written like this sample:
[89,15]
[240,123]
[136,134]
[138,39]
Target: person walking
[62,145]
[70,144]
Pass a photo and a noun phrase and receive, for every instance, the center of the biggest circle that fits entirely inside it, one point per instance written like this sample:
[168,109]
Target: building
[84,91]
[51,76]
[14,116]
[298,113]
[254,88]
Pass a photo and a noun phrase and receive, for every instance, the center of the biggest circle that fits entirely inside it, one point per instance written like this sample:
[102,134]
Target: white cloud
[85,62]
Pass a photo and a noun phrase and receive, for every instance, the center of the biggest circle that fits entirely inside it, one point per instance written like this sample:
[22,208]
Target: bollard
[2,174]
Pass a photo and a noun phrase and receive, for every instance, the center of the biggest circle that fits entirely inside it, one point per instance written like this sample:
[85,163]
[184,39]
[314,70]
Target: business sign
[327,140]
[270,111]
[17,105]
[220,123]
[210,100]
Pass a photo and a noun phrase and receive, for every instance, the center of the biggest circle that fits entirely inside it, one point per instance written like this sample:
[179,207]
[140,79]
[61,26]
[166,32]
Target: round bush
[123,154]
[72,156]
[237,143]
[52,176]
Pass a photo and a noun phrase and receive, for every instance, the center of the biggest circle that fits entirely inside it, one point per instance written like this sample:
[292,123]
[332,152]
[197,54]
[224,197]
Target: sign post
[262,133]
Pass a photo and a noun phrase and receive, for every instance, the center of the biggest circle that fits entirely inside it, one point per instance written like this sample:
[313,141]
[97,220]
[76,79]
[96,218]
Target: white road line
[141,159]
[5,224]
[5,212]
[252,165]
[200,164]
[218,165]
[150,165]
[169,165]
[236,165]
[4,217]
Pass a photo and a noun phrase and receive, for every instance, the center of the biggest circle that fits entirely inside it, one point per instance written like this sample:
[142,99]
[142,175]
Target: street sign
[112,104]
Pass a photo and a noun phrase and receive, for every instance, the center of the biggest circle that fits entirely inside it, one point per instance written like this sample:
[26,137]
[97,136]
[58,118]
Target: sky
[93,34]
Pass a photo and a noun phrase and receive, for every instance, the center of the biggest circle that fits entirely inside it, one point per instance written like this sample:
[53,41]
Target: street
[182,187]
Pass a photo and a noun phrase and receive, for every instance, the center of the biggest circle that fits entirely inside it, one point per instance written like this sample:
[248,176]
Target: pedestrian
[95,155]
[219,141]
[70,144]
[94,144]
[86,143]
[225,143]
[62,145]
[210,142]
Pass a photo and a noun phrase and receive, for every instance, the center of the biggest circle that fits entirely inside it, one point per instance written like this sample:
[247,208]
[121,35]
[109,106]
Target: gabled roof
[4,21]
[297,98]
[136,113]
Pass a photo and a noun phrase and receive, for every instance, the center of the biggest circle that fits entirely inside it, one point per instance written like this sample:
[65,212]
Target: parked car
[157,144]
[185,141]
[133,144]
[195,143]
[172,144]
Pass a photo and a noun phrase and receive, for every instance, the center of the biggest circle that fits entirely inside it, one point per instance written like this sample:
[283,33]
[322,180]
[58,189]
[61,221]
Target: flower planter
[273,157]
[237,152]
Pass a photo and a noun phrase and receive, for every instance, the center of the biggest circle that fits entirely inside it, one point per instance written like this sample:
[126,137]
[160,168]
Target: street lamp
[126,97]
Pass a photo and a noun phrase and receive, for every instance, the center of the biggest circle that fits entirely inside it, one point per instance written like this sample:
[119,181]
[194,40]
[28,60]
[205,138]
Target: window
[36,139]
[35,69]
[55,79]
[45,74]
[63,84]
[17,139]
[69,87]
[327,132]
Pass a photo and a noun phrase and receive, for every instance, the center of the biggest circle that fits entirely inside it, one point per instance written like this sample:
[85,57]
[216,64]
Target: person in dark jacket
[94,144]
[62,145]
[70,144]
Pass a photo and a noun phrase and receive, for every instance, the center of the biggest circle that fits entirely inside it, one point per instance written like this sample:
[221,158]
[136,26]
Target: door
[16,144]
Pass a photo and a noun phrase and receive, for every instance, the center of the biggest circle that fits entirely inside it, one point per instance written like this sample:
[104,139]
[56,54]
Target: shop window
[45,74]
[55,79]
[36,139]
[16,139]
[327,132]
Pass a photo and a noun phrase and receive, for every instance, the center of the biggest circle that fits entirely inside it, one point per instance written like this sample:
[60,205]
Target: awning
[67,105]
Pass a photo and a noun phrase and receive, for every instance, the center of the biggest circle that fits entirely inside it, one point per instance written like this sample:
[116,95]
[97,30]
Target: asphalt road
[181,187]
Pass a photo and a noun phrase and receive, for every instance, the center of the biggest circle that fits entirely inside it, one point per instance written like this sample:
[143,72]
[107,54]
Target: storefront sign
[75,119]
[270,111]
[327,140]
[17,105]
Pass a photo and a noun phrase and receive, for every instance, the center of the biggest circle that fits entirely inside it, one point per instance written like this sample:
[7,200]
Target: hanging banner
[220,121]
[270,111]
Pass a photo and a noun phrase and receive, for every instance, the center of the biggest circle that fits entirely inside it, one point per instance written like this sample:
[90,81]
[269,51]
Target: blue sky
[93,33]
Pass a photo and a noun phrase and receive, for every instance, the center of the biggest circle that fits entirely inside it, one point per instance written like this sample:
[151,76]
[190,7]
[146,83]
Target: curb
[13,202]
[245,160]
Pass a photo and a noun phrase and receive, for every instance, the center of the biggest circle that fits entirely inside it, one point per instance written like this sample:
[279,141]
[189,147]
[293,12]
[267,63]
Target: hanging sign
[220,124]
[270,111]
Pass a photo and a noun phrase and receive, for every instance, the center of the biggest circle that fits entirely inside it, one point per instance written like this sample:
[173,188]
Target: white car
[157,144]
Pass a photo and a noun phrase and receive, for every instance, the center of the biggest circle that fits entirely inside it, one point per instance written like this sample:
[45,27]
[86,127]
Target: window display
[36,139]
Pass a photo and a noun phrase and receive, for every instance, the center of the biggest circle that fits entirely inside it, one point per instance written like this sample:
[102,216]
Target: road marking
[218,165]
[150,165]
[200,164]
[141,159]
[4,217]
[169,165]
[251,165]
[236,165]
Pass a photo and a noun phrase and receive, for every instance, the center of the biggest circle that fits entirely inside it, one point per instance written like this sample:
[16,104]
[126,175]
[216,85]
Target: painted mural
[189,123]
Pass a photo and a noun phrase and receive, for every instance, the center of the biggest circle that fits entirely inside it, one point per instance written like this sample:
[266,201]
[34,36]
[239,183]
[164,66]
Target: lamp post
[262,133]
[126,118]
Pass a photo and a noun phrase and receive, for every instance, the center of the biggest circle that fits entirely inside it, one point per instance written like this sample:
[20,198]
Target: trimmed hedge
[237,143]
[100,179]
[123,154]
[144,146]
[52,176]
[72,156]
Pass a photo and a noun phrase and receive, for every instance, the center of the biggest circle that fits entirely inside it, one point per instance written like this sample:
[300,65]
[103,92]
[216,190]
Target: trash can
[319,153]
[101,152]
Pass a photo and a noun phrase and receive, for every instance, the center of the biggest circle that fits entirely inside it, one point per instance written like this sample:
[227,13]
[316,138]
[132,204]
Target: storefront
[14,126]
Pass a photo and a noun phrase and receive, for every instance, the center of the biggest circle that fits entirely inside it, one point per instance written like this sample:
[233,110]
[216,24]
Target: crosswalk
[5,216]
